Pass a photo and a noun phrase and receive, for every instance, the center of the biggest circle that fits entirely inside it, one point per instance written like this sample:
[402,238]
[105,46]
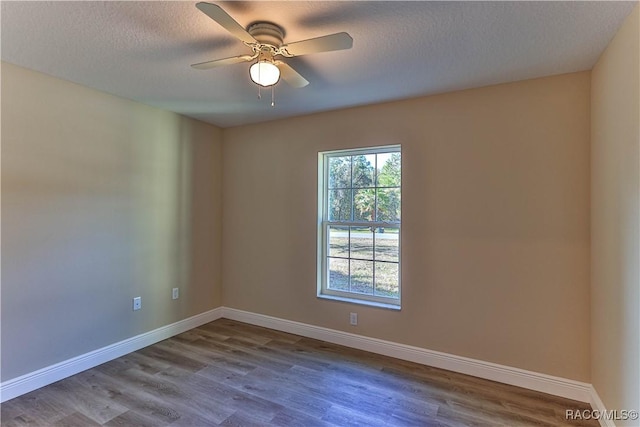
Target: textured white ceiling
[142,50]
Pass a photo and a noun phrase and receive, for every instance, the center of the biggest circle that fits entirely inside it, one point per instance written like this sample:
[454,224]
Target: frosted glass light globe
[264,73]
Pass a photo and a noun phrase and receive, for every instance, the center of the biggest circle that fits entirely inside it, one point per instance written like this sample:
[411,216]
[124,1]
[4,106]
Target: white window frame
[323,224]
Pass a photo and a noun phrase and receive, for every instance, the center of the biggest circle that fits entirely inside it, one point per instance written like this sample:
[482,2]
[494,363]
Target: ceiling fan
[266,42]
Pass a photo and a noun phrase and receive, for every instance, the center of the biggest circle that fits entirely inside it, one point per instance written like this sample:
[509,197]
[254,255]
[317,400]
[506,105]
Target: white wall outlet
[175,293]
[353,318]
[137,303]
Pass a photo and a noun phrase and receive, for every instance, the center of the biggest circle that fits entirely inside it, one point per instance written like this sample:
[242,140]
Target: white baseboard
[42,377]
[598,405]
[505,374]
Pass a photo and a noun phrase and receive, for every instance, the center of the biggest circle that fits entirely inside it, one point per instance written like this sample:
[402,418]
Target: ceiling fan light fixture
[266,41]
[264,73]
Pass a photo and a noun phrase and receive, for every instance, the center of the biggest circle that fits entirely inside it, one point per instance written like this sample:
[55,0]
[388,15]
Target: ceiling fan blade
[216,13]
[220,62]
[338,41]
[291,76]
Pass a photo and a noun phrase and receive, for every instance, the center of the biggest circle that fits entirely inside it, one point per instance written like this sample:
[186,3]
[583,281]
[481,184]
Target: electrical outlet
[137,303]
[175,294]
[353,318]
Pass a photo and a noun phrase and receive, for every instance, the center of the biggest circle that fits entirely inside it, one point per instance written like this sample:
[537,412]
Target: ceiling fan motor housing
[267,33]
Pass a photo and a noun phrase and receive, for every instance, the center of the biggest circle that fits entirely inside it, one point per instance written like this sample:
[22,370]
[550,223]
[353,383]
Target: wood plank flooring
[232,374]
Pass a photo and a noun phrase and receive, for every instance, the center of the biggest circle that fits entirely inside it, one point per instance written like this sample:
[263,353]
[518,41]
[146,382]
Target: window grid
[373,259]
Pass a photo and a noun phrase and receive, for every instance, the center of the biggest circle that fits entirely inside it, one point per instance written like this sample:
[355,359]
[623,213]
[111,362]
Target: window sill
[360,302]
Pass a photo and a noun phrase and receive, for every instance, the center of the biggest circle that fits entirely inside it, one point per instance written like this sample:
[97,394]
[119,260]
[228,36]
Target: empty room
[320,213]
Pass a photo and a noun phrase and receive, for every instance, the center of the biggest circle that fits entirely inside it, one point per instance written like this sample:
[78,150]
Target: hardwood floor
[233,374]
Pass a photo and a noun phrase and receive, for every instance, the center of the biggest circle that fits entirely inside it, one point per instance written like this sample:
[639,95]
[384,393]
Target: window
[359,225]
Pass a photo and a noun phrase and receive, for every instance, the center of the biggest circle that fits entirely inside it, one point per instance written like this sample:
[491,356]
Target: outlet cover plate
[353,318]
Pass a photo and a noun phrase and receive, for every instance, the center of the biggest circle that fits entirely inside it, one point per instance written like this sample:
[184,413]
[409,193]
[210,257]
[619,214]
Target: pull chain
[273,100]
[259,78]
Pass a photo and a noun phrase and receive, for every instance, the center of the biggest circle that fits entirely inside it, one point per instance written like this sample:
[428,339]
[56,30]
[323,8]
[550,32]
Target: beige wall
[103,199]
[495,216]
[615,229]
